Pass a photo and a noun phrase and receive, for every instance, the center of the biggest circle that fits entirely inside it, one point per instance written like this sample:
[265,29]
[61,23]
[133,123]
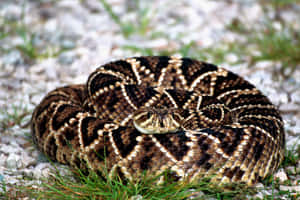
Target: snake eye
[149,115]
[176,117]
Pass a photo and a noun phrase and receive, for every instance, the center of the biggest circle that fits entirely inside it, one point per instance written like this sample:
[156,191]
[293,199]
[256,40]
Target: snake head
[157,120]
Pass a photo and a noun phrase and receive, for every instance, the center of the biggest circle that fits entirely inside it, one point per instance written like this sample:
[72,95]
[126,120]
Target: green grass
[278,46]
[292,157]
[94,187]
[12,116]
[128,28]
[30,51]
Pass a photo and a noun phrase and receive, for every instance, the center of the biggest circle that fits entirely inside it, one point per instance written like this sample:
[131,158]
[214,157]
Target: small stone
[27,160]
[281,175]
[68,44]
[13,58]
[28,173]
[231,58]
[13,161]
[66,58]
[259,185]
[294,188]
[277,26]
[289,108]
[196,194]
[137,197]
[50,70]
[12,12]
[9,149]
[41,170]
[51,26]
[94,5]
[2,159]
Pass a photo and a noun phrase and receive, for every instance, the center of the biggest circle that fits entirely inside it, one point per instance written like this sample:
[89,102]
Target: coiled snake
[162,113]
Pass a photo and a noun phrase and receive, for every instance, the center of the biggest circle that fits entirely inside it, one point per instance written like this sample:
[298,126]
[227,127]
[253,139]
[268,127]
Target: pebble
[9,148]
[27,160]
[281,175]
[67,44]
[13,58]
[11,12]
[66,58]
[13,161]
[137,197]
[294,188]
[51,26]
[42,170]
[3,159]
[231,58]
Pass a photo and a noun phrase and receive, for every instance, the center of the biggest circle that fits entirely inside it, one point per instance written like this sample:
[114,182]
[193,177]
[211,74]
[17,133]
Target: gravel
[83,36]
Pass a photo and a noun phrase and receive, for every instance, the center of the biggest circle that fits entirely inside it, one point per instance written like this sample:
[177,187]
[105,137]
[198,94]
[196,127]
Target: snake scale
[157,113]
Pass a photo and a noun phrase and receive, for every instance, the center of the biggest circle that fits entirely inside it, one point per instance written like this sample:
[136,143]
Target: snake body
[213,122]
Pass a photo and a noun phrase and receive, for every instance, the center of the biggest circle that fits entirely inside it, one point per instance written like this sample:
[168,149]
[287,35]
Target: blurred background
[49,43]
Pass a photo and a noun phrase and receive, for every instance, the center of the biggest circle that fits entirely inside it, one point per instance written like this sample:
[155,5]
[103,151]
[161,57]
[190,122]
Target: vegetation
[25,40]
[279,45]
[13,116]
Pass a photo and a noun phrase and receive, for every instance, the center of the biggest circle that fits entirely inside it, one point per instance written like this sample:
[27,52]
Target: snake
[156,114]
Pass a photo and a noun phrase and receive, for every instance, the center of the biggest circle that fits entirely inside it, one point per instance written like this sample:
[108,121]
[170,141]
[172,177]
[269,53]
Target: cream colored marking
[199,102]
[178,171]
[260,129]
[163,149]
[175,58]
[142,68]
[173,62]
[187,103]
[123,169]
[126,173]
[161,77]
[126,120]
[152,100]
[110,127]
[171,99]
[135,150]
[253,106]
[135,65]
[53,105]
[212,84]
[103,71]
[151,75]
[127,97]
[91,146]
[272,118]
[191,115]
[174,121]
[219,72]
[239,149]
[193,143]
[80,117]
[239,92]
[214,139]
[116,150]
[51,131]
[139,138]
[269,164]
